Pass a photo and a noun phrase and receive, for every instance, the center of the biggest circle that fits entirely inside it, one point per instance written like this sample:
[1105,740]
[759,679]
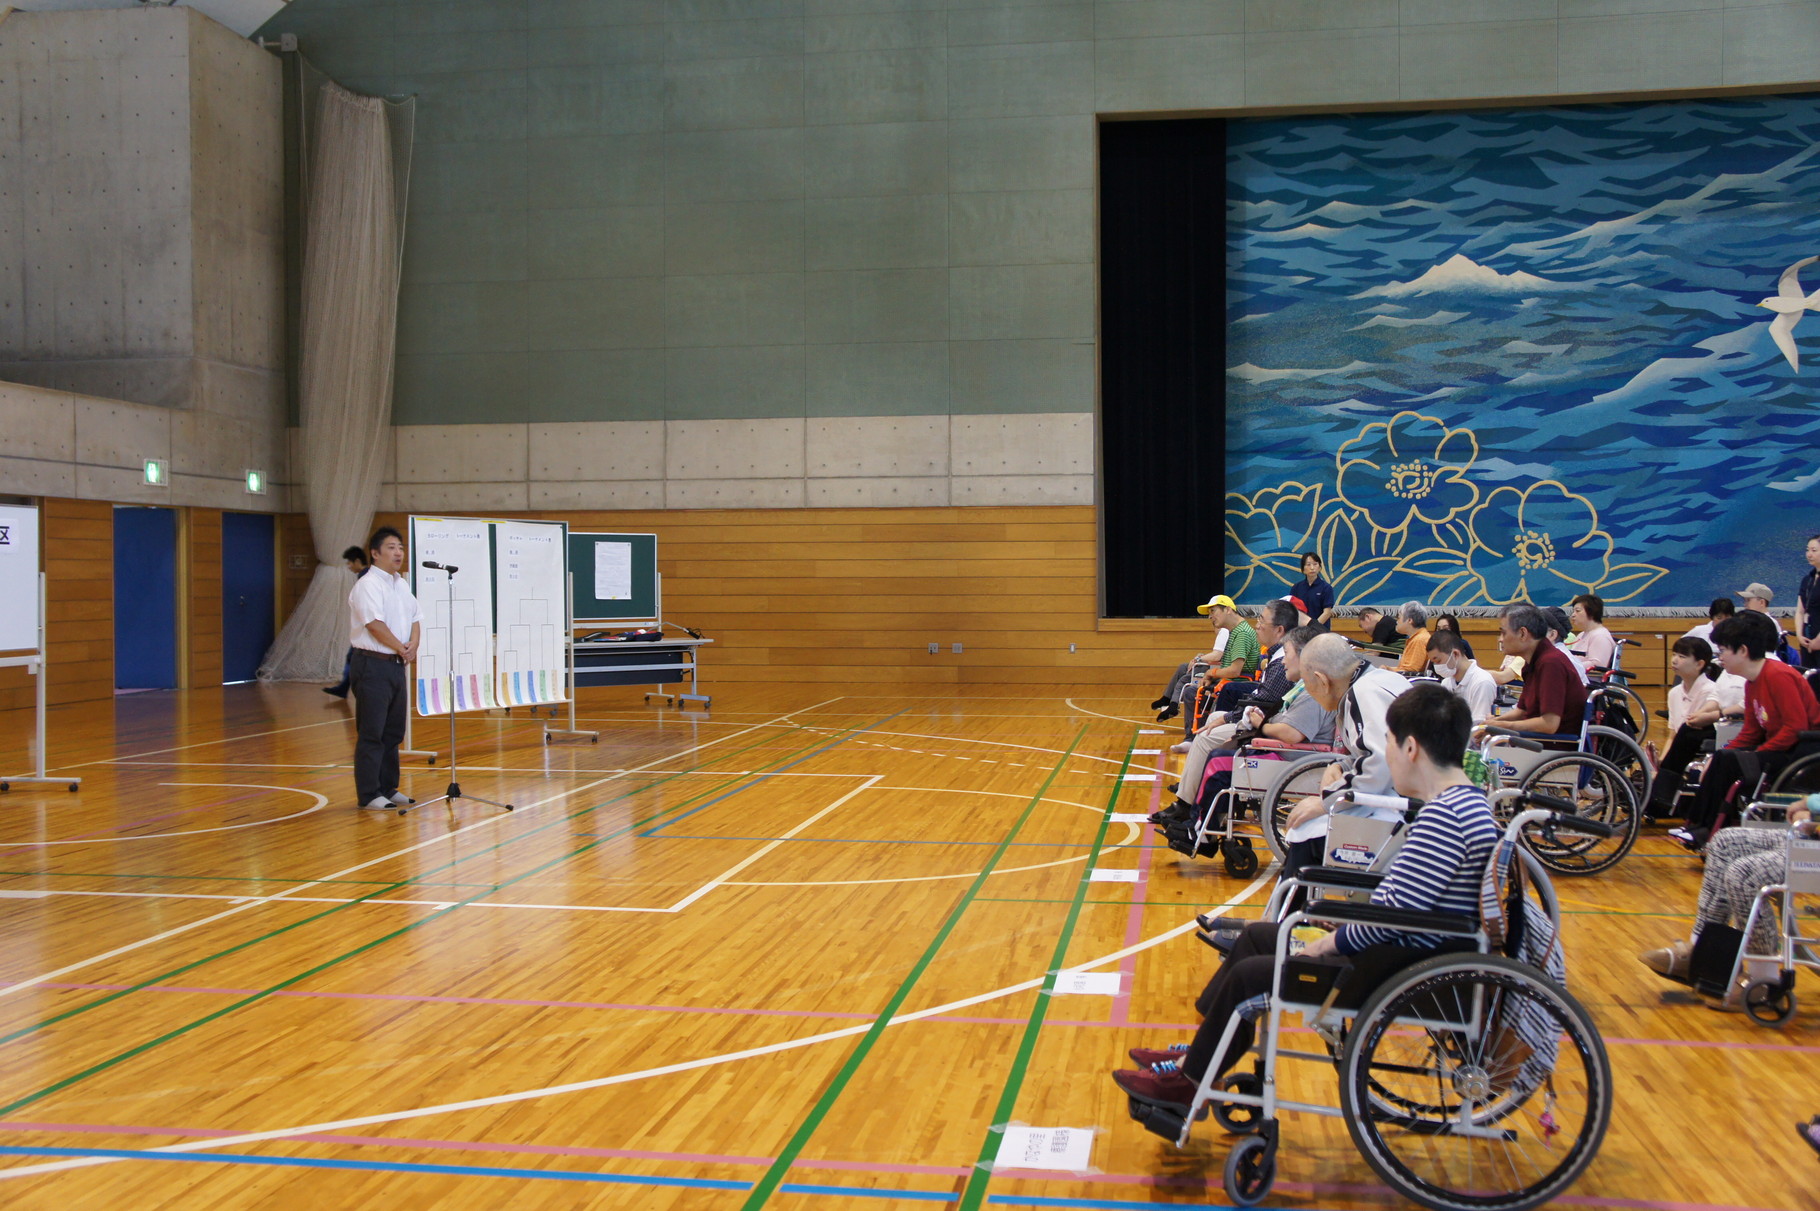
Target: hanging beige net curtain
[355,159]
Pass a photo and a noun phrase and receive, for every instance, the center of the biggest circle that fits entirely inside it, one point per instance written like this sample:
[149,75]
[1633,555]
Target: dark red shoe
[1172,1089]
[1150,1057]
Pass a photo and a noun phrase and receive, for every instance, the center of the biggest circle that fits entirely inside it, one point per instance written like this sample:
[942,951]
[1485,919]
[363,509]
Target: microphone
[440,567]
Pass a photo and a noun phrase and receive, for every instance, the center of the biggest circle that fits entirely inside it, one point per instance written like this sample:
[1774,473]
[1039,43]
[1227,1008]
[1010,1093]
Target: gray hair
[1300,637]
[1525,617]
[1279,613]
[1414,613]
[1331,656]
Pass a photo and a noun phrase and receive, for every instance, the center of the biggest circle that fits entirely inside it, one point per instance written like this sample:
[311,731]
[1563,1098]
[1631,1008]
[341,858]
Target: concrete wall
[141,231]
[634,217]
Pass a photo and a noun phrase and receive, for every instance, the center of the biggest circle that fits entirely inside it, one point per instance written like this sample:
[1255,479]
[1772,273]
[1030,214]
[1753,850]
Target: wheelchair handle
[1558,821]
[1389,803]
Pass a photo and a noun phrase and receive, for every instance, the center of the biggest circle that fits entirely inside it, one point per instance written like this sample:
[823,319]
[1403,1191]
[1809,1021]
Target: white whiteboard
[18,578]
[457,632]
[531,593]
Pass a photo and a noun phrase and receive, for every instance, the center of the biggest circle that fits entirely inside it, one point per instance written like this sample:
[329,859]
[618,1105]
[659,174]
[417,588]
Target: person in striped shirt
[1439,868]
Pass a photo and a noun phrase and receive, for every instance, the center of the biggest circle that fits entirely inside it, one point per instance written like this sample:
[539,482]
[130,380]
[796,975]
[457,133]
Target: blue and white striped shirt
[1439,869]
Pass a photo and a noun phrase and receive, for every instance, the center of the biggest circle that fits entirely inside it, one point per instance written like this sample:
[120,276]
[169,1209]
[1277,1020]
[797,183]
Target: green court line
[1034,900]
[142,1048]
[774,1176]
[974,1194]
[380,891]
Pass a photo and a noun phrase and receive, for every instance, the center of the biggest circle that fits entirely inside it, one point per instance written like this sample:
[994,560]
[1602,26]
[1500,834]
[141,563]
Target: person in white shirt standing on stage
[381,609]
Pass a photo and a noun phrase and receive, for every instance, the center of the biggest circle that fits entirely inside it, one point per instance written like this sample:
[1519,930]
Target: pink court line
[1163,1182]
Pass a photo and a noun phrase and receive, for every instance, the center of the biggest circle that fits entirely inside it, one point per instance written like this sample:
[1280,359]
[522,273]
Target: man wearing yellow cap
[1242,653]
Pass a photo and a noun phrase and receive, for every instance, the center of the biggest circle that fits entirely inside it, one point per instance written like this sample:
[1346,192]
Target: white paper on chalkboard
[612,571]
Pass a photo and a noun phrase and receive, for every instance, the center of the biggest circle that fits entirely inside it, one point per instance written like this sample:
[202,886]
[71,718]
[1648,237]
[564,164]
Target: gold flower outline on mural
[1544,542]
[1271,529]
[1411,467]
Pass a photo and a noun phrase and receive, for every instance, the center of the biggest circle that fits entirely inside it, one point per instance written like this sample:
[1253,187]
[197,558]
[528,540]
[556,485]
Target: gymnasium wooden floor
[792,955]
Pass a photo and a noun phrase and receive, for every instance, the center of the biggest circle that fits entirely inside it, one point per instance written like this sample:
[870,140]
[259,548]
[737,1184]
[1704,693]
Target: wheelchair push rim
[1599,791]
[1504,1080]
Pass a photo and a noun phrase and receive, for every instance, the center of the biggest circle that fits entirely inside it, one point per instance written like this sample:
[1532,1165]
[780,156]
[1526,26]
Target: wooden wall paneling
[202,625]
[79,561]
[296,562]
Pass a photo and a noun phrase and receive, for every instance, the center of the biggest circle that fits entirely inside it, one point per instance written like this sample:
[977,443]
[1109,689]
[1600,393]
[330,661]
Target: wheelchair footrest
[1158,1120]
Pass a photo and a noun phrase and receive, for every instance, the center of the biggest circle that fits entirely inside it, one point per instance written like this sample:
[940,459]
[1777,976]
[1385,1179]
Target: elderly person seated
[1217,734]
[1412,624]
[1359,693]
[1740,862]
[1779,706]
[1553,701]
[1593,643]
[1439,869]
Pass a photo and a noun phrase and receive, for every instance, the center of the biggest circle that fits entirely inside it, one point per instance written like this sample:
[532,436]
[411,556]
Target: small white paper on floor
[1130,818]
[1145,752]
[1140,777]
[24,895]
[1087,983]
[1069,1149]
[1150,731]
[1111,874]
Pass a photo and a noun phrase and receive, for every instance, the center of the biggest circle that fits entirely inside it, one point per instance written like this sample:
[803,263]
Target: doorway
[248,575]
[145,598]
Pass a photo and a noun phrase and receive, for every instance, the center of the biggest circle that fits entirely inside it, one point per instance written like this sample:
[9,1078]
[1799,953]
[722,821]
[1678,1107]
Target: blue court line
[560,1175]
[652,832]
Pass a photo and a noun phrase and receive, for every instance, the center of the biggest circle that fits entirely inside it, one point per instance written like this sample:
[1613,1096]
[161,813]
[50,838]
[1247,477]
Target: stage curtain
[1162,365]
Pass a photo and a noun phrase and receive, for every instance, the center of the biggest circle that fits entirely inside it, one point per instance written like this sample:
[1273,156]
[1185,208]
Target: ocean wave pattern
[1576,288]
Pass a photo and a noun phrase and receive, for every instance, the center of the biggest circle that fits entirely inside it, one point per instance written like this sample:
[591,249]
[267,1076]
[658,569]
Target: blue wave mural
[1478,357]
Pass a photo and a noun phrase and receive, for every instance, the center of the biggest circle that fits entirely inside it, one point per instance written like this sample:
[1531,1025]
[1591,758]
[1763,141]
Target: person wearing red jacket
[1778,707]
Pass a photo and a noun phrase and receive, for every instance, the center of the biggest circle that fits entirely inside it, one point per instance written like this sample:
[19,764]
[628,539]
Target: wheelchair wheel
[1239,1120]
[1599,791]
[1241,859]
[1251,1170]
[1627,755]
[1279,801]
[1799,777]
[1769,1003]
[1505,1076]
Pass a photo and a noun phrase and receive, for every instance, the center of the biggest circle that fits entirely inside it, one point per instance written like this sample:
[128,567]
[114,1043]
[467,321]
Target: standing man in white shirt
[1462,674]
[381,610]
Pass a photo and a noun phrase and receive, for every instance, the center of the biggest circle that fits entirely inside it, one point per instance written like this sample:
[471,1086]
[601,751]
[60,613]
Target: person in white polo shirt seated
[380,610]
[1452,662]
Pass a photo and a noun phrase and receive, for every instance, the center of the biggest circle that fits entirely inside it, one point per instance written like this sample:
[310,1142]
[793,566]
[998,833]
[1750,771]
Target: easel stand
[454,791]
[36,664]
[572,734]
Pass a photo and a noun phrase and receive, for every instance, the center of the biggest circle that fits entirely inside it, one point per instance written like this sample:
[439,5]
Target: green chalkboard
[612,563]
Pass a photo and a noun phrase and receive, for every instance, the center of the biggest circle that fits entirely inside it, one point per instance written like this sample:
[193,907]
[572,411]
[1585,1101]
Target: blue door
[248,573]
[145,599]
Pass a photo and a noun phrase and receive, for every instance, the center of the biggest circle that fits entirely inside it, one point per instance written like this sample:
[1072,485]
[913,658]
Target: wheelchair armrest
[1621,674]
[1284,745]
[1807,737]
[1409,920]
[1348,877]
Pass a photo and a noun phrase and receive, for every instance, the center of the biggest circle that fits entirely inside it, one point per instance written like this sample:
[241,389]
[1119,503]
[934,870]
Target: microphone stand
[454,791]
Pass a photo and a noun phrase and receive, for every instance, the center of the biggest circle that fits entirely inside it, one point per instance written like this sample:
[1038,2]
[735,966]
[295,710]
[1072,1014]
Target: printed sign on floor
[1069,1149]
[1130,818]
[1110,874]
[1087,983]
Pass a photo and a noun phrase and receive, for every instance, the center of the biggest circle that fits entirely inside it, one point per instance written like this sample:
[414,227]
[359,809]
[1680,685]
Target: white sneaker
[379,803]
[400,798]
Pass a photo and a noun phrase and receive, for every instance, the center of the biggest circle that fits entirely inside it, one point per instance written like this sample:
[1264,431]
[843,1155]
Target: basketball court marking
[487,822]
[502,1099]
[322,801]
[1115,718]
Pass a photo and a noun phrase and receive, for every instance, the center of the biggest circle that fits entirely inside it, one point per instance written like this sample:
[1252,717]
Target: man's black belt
[388,657]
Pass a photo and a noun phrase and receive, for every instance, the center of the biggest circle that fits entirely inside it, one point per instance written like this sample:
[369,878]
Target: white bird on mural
[1790,304]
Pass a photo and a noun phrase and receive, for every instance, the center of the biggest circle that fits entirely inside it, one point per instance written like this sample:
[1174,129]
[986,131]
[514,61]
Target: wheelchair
[1769,997]
[1596,787]
[1468,1080]
[1268,777]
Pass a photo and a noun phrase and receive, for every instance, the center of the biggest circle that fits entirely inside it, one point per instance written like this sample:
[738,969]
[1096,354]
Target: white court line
[322,801]
[526,1095]
[232,899]
[1115,718]
[975,740]
[489,821]
[277,731]
[709,886]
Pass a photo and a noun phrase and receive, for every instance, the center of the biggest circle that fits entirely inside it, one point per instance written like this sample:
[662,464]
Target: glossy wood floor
[790,955]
